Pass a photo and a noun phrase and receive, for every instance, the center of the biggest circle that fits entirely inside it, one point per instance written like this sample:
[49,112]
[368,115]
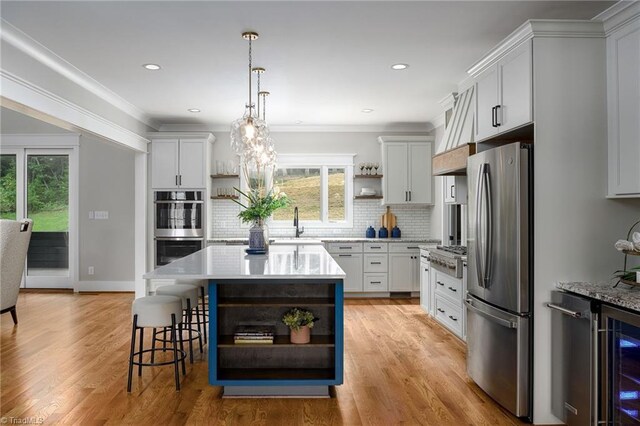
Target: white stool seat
[185,292]
[156,311]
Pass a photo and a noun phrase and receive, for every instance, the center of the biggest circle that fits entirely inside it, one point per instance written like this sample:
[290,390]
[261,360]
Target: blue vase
[395,232]
[383,233]
[371,233]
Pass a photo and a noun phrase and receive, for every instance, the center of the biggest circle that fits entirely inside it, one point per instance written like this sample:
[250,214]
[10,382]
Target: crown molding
[449,101]
[51,60]
[301,128]
[618,15]
[24,96]
[438,120]
[210,137]
[557,28]
[387,139]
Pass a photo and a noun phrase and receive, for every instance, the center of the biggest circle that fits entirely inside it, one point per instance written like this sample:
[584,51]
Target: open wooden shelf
[243,302]
[224,176]
[276,373]
[278,342]
[367,176]
[233,197]
[368,197]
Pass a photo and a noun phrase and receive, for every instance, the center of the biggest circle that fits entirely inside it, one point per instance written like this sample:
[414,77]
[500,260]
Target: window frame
[324,162]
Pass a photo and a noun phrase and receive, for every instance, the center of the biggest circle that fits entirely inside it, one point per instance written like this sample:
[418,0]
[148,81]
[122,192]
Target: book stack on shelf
[254,334]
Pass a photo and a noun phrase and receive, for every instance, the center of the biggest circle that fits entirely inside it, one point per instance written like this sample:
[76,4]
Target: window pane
[336,195]
[303,188]
[8,186]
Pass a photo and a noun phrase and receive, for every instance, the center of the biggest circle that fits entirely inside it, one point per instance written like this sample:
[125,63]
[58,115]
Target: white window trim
[324,162]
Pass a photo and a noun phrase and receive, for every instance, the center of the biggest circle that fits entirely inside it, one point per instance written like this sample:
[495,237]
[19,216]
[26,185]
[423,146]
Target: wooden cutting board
[388,219]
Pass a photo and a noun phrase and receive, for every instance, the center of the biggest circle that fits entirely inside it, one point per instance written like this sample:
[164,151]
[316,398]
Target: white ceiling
[325,61]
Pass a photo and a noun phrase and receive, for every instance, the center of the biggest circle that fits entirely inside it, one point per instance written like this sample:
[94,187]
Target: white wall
[575,225]
[106,184]
[414,221]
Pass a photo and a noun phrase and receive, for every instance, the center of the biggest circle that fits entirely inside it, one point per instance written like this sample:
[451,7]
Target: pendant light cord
[250,72]
[259,93]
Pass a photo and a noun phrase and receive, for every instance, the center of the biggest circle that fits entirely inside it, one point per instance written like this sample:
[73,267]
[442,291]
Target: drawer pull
[413,248]
[453,318]
[375,247]
[376,282]
[438,282]
[344,248]
[376,263]
[441,310]
[453,289]
[344,255]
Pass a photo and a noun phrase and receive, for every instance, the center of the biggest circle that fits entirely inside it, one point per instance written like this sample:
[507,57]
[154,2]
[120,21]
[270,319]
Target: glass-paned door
[35,184]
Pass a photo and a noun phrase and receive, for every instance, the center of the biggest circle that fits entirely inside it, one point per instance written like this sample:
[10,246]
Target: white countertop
[335,240]
[231,263]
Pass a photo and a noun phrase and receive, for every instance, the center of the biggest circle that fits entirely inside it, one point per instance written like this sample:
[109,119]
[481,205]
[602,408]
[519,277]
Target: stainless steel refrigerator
[499,282]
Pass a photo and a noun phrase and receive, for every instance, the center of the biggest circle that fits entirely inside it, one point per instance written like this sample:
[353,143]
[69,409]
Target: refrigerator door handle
[501,321]
[479,185]
[489,218]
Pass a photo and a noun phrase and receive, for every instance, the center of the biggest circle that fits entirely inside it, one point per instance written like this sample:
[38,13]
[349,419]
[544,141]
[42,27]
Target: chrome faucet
[295,223]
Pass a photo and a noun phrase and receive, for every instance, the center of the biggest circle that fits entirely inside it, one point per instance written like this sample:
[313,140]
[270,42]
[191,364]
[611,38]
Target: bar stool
[203,286]
[188,294]
[156,312]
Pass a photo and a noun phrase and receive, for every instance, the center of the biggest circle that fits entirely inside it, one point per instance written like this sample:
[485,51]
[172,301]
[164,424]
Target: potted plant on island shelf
[259,207]
[300,322]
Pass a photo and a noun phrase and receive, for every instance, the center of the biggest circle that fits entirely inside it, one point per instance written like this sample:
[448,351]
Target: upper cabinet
[503,93]
[406,165]
[179,162]
[623,96]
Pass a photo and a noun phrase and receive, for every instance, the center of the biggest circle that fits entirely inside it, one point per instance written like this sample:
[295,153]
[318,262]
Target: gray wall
[106,183]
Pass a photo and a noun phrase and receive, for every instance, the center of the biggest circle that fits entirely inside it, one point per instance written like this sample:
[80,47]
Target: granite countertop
[334,240]
[623,295]
[300,262]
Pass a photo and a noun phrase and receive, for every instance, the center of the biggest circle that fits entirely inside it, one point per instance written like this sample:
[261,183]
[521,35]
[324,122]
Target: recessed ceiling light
[399,66]
[193,110]
[367,110]
[152,67]
[299,122]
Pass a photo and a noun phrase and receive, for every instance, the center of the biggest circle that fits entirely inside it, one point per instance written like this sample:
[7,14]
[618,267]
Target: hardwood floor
[66,362]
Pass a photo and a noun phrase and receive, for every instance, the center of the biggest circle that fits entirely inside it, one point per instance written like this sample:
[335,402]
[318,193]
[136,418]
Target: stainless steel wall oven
[179,214]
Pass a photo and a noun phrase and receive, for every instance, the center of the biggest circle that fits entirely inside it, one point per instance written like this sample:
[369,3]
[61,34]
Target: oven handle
[179,239]
[179,202]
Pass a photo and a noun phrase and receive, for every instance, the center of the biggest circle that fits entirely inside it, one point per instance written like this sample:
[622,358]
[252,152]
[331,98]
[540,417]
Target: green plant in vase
[300,322]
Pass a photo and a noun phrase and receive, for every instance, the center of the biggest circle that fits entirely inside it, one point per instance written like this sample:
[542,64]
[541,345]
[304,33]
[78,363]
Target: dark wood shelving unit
[225,176]
[367,197]
[243,302]
[367,176]
[278,342]
[276,374]
[233,197]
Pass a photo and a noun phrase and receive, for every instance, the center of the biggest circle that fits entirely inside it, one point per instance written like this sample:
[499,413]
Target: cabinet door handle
[453,188]
[453,289]
[406,195]
[453,318]
[493,117]
[426,270]
[376,282]
[500,107]
[441,310]
[438,282]
[409,195]
[176,180]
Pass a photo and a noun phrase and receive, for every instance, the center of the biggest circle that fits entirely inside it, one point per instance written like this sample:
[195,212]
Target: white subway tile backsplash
[413,221]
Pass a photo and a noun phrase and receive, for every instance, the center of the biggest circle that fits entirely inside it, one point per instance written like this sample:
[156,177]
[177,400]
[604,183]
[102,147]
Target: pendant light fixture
[249,133]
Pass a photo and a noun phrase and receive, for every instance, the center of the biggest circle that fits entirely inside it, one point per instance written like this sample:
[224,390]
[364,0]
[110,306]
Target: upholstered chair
[14,243]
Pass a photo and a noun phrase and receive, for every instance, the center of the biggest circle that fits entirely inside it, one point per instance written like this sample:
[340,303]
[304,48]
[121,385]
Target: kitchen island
[246,289]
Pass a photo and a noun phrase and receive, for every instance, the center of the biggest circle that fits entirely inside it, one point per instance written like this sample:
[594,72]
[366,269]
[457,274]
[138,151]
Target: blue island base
[276,391]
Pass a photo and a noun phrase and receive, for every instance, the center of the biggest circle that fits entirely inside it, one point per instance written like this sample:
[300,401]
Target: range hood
[457,143]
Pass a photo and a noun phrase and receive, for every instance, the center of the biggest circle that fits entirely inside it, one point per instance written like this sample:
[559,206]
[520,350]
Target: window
[321,186]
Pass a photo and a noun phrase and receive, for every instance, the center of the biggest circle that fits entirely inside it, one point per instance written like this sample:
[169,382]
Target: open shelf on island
[278,342]
[368,197]
[224,176]
[242,302]
[276,373]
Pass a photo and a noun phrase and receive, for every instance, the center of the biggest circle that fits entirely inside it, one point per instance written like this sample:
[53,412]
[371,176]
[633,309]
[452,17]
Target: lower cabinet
[448,294]
[404,272]
[351,264]
[375,282]
[425,285]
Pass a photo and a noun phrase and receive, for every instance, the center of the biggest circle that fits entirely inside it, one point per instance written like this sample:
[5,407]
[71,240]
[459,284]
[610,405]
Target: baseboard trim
[105,286]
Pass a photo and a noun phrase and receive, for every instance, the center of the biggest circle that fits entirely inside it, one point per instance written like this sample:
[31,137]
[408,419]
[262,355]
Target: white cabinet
[406,164]
[351,264]
[404,272]
[504,93]
[623,110]
[178,163]
[455,189]
[426,300]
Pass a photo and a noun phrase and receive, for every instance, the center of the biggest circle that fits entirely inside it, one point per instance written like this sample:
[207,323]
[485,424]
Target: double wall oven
[178,224]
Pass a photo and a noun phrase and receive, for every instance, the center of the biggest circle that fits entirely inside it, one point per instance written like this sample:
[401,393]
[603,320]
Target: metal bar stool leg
[175,351]
[153,346]
[133,348]
[181,341]
[204,322]
[141,348]
[199,330]
[189,324]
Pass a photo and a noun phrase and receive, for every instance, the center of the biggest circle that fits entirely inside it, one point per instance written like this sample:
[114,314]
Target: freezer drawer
[573,359]
[498,355]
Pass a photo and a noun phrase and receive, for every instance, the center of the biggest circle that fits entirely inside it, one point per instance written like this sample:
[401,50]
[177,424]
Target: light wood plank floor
[66,362]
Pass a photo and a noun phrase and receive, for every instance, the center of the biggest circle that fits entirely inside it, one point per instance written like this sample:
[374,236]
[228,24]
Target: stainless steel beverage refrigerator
[499,284]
